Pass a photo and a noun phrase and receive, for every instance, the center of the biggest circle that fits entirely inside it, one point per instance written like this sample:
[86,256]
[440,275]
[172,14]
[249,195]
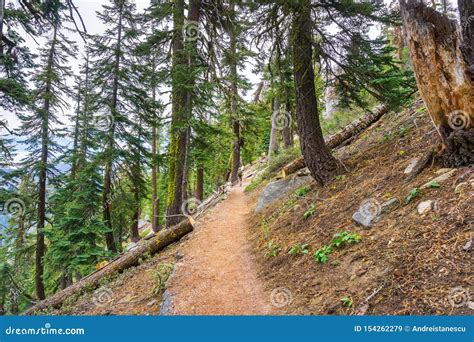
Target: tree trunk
[181,105]
[200,183]
[273,145]
[317,156]
[333,141]
[234,175]
[287,131]
[466,13]
[443,78]
[155,201]
[42,178]
[107,191]
[157,243]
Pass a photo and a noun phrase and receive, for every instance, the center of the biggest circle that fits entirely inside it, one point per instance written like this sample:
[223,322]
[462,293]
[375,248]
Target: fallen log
[333,141]
[162,239]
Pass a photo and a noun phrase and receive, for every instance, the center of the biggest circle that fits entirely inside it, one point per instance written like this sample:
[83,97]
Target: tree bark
[466,13]
[317,155]
[200,183]
[157,243]
[333,141]
[273,145]
[155,201]
[181,111]
[234,175]
[443,77]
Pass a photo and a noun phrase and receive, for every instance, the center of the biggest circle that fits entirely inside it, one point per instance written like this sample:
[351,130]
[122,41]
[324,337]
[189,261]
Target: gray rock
[468,246]
[370,211]
[425,207]
[411,166]
[166,307]
[364,220]
[278,189]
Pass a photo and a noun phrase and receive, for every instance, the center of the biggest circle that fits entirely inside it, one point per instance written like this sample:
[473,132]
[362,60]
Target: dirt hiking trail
[217,274]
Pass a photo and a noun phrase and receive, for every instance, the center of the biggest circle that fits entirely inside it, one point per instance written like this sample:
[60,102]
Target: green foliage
[412,195]
[161,275]
[346,301]
[310,211]
[433,185]
[339,240]
[302,191]
[322,254]
[345,237]
[273,249]
[299,249]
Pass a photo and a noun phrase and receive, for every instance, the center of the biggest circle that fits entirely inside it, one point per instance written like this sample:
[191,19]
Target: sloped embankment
[406,262]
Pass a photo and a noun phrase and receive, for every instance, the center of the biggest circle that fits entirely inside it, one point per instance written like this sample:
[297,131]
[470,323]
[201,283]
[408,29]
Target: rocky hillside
[370,242]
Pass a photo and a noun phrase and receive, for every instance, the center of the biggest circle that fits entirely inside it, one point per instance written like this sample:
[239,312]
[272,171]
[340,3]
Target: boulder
[278,189]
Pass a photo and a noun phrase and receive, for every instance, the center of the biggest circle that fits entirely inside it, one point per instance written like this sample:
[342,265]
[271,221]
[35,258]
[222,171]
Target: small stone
[151,303]
[468,246]
[411,166]
[364,220]
[179,255]
[361,271]
[425,207]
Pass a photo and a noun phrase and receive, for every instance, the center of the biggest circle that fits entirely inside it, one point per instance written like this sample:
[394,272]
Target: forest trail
[218,274]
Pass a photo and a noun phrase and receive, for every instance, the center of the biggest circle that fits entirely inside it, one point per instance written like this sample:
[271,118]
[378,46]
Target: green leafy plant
[310,211]
[340,177]
[412,195]
[299,249]
[322,254]
[273,249]
[403,131]
[335,263]
[161,276]
[434,185]
[303,191]
[345,238]
[346,301]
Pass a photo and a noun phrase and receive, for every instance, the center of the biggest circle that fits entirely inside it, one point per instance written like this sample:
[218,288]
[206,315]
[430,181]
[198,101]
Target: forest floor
[218,273]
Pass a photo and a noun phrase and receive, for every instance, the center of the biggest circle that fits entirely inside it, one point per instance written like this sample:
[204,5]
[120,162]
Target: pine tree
[114,75]
[40,128]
